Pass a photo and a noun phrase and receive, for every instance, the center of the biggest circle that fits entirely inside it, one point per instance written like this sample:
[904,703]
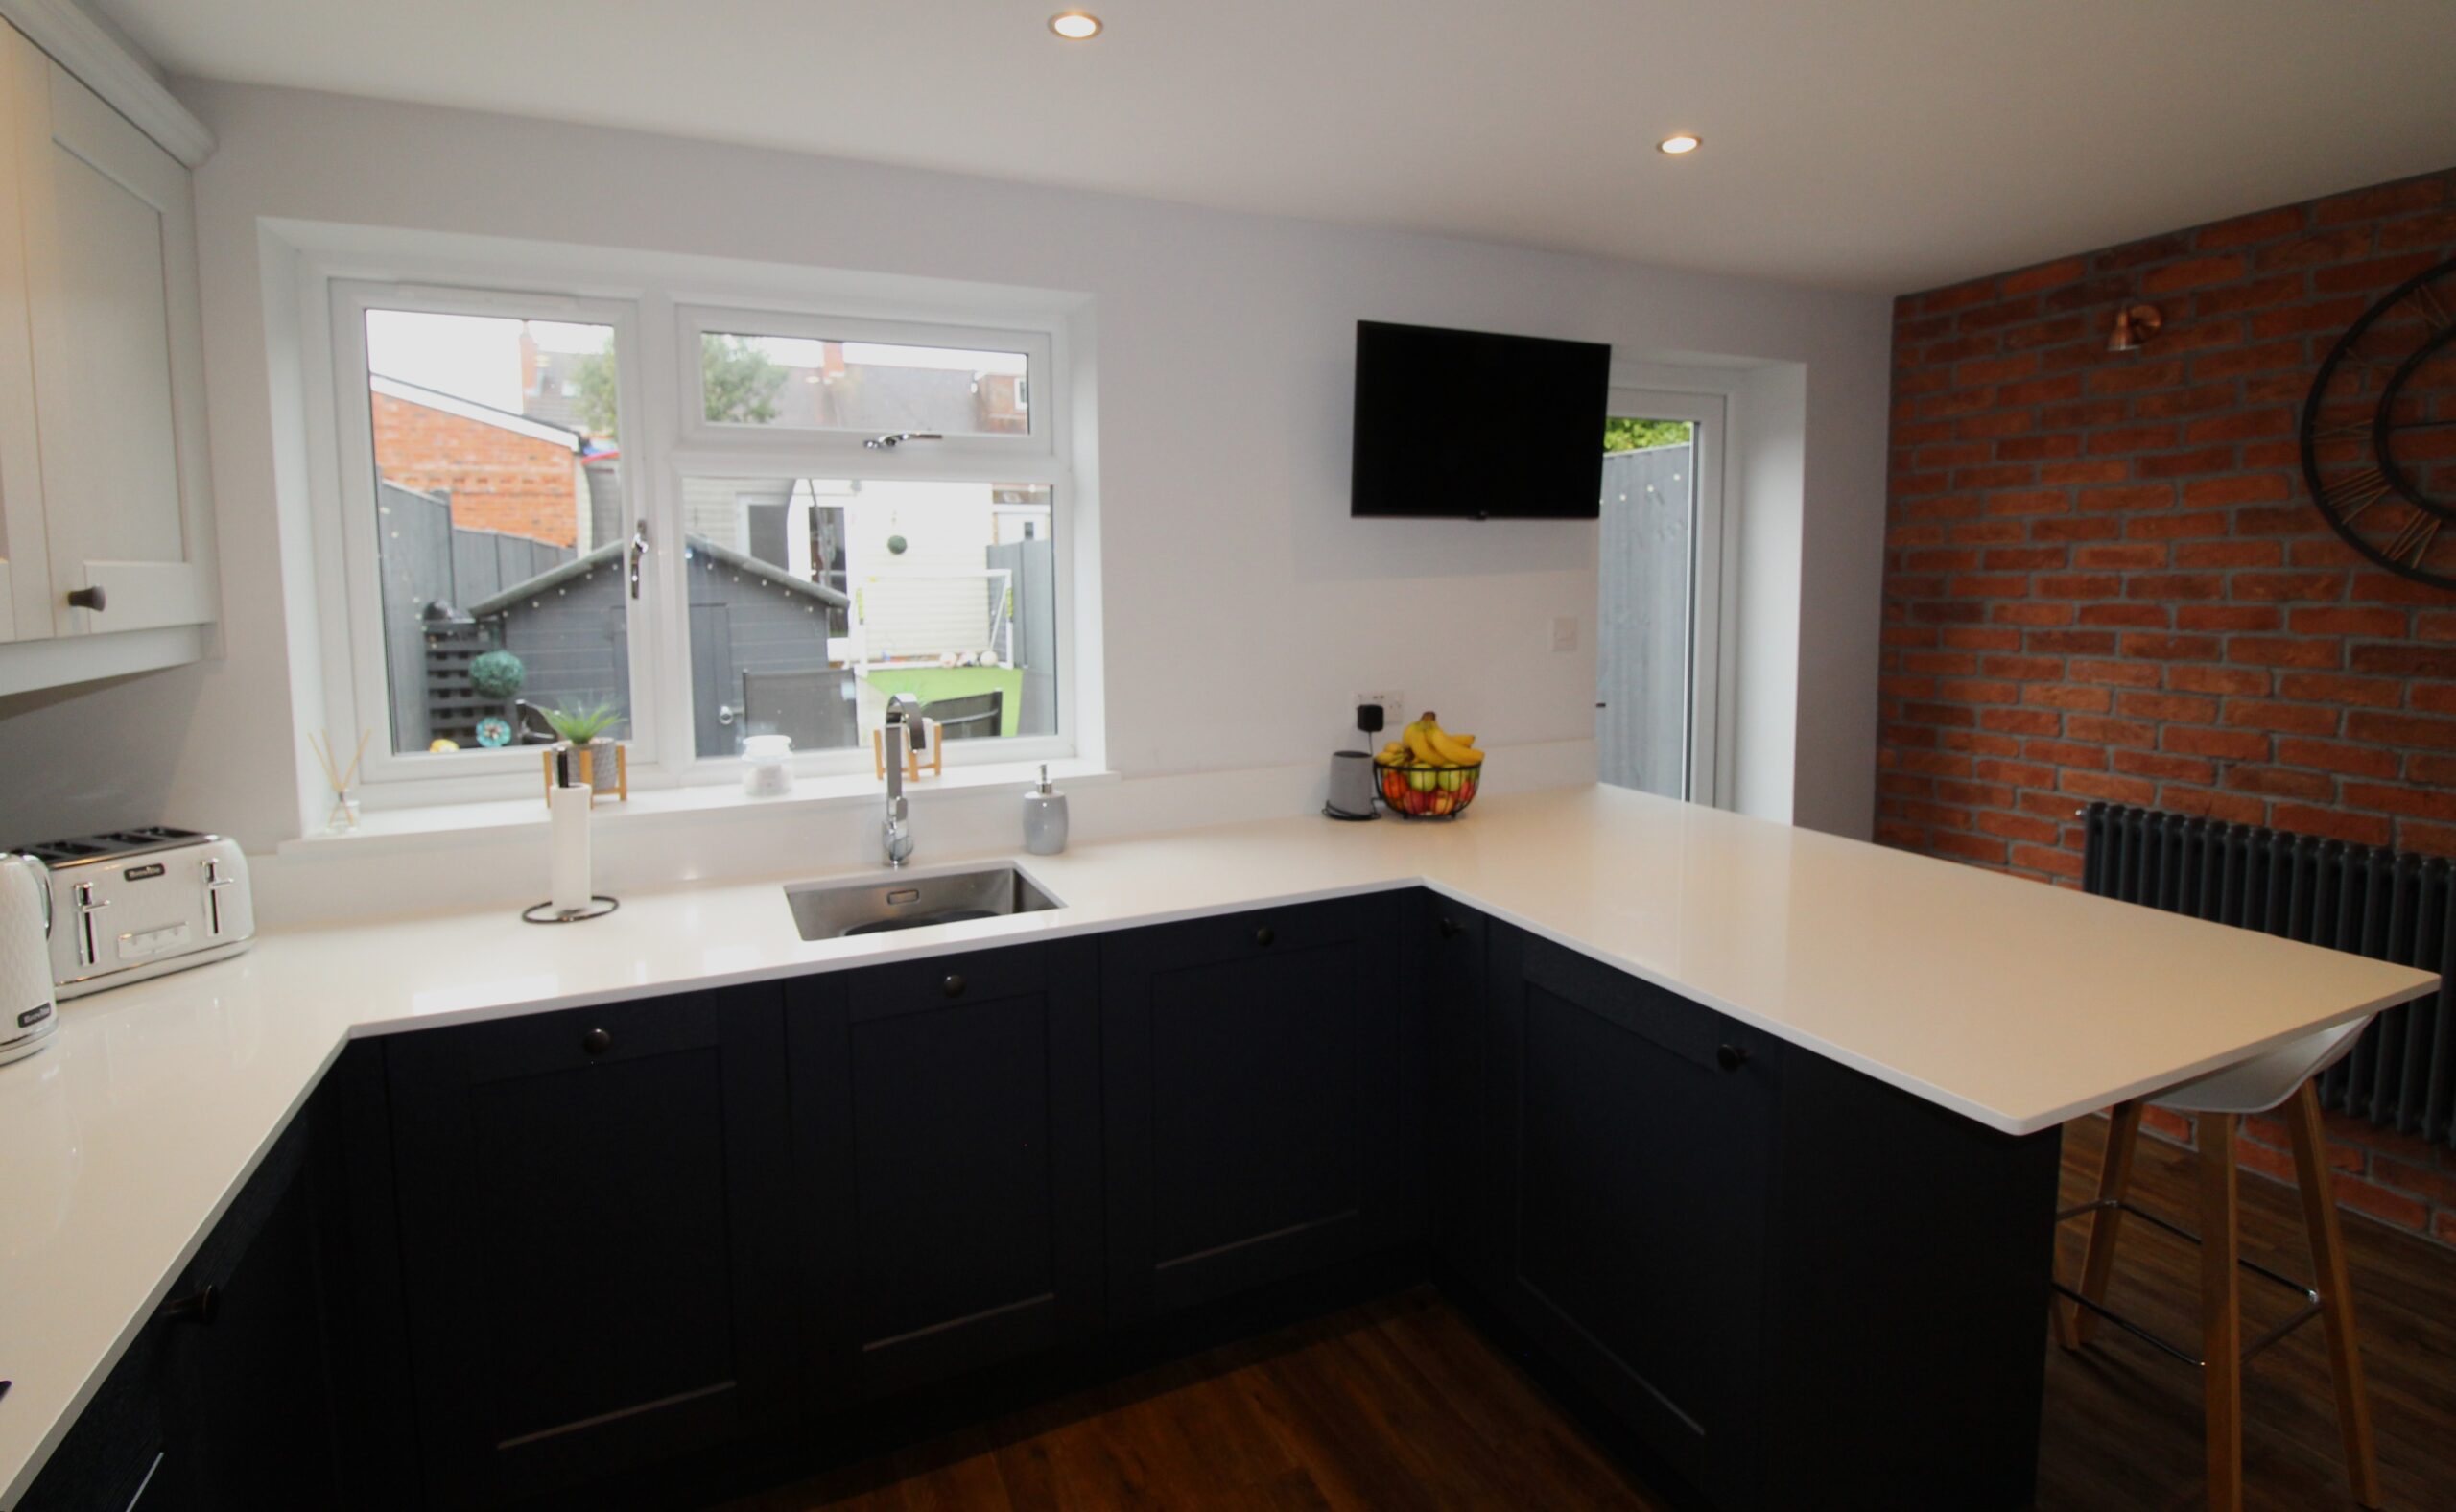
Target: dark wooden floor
[2122,1425]
[1402,1404]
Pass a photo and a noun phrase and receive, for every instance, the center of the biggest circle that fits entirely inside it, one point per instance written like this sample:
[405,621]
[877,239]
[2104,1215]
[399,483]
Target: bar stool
[2280,1077]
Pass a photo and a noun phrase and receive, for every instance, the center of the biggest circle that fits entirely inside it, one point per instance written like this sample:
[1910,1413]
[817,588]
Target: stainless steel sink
[826,911]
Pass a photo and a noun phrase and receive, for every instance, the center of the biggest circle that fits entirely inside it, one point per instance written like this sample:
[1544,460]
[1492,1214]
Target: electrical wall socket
[1391,716]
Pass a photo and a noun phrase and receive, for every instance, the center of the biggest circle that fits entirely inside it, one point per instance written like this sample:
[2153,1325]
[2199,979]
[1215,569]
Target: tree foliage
[594,377]
[743,383]
[1628,436]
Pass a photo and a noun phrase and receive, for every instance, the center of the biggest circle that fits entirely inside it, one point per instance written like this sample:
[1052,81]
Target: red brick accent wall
[499,480]
[2104,579]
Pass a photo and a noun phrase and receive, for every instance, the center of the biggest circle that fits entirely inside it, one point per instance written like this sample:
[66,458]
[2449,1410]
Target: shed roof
[607,555]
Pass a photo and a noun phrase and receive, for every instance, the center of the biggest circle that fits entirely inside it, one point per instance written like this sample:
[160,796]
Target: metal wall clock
[2375,428]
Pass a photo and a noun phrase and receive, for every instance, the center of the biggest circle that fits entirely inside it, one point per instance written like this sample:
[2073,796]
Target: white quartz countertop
[2017,1004]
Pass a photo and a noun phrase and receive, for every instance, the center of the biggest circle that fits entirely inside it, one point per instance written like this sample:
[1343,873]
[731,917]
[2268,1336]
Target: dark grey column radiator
[2387,905]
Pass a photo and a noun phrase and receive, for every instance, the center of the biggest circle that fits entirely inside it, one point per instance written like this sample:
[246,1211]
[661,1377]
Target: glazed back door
[1658,618]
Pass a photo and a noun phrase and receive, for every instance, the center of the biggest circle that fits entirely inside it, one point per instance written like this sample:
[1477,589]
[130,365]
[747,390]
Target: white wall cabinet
[106,515]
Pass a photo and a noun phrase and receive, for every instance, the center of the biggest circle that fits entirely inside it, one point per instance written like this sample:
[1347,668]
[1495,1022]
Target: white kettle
[27,1012]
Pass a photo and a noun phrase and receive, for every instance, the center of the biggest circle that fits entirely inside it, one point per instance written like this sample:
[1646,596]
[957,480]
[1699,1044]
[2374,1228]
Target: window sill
[440,825]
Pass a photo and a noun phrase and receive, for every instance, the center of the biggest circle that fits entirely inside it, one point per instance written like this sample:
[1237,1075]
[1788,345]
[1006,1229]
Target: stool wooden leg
[2115,1179]
[2336,1294]
[2221,1316]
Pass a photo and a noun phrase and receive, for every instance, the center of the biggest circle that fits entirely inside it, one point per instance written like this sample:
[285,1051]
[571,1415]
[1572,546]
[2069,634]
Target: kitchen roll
[567,810]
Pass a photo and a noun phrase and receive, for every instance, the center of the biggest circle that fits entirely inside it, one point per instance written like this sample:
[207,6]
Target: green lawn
[931,683]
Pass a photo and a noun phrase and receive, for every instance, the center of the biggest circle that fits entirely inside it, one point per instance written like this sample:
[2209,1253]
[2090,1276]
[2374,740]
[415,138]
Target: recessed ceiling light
[1677,145]
[1075,26]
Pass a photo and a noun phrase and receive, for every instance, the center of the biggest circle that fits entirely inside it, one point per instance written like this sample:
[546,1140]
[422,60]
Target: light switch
[1565,633]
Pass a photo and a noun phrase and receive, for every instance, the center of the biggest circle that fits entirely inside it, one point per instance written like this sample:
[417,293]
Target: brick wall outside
[2103,578]
[499,479]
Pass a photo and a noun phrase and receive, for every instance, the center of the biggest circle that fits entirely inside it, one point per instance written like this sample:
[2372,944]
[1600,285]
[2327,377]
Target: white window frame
[699,433]
[410,775]
[658,309]
[1707,403]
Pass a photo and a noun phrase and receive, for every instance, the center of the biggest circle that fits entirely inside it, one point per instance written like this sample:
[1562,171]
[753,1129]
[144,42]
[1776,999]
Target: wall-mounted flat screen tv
[1471,425]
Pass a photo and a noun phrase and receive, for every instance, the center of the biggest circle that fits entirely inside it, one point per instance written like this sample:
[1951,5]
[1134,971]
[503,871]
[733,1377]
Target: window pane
[1647,592]
[862,386]
[815,600]
[499,503]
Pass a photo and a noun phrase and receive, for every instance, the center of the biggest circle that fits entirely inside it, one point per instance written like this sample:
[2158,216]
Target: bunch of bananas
[1428,770]
[1425,743]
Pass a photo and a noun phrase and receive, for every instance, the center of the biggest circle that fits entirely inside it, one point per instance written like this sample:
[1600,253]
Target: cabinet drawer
[1284,929]
[539,1044]
[1688,1029]
[973,977]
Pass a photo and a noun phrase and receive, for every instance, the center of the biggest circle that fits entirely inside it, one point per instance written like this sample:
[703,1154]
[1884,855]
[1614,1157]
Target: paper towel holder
[560,773]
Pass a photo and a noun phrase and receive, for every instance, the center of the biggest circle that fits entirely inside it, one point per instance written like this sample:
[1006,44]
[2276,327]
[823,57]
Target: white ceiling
[1885,145]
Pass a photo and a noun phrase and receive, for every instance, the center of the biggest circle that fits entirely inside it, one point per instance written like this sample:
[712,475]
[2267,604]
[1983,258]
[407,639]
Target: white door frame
[1704,398]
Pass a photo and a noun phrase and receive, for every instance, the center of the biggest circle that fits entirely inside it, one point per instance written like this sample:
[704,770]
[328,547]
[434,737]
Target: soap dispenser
[1044,817]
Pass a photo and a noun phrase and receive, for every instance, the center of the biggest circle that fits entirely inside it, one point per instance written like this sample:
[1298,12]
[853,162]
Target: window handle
[895,438]
[639,549]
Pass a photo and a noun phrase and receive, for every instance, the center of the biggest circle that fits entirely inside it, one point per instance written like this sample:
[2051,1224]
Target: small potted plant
[582,724]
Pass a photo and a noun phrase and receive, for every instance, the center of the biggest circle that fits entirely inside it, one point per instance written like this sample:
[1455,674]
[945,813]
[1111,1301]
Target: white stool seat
[2266,1080]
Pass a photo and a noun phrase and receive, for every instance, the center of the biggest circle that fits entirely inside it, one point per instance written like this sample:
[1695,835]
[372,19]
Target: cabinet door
[1445,969]
[1256,1099]
[222,1403]
[25,557]
[253,1395]
[118,1452]
[948,1119]
[1635,1133]
[595,1215]
[118,358]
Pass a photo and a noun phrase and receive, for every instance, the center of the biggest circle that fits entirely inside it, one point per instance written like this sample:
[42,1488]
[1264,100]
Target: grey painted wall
[427,560]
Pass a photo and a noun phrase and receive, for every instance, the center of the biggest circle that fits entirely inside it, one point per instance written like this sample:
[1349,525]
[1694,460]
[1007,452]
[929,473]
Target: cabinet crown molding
[105,64]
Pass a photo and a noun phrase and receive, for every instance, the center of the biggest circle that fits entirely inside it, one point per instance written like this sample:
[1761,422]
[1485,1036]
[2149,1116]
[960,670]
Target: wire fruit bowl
[1420,790]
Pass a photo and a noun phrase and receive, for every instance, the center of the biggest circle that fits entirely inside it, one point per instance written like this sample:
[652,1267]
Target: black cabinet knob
[1451,929]
[955,985]
[93,598]
[1265,935]
[1729,1057]
[597,1042]
[198,1307]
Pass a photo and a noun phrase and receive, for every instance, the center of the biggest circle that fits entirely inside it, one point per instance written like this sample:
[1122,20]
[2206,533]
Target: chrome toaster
[135,904]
